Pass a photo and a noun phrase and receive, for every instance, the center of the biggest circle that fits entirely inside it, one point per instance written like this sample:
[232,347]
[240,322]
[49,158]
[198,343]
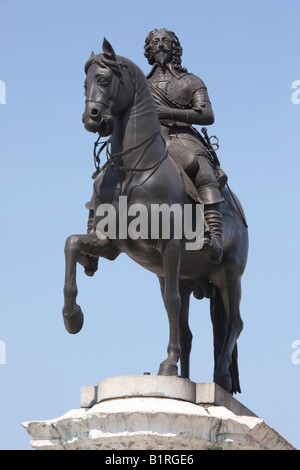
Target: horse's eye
[102,80]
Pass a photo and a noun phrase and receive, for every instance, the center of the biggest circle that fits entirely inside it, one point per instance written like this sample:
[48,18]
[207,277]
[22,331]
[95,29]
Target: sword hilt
[210,145]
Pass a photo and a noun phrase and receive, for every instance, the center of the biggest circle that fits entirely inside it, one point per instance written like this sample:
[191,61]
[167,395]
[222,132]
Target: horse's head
[103,86]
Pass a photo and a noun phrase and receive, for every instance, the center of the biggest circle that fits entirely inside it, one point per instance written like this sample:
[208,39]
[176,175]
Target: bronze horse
[119,104]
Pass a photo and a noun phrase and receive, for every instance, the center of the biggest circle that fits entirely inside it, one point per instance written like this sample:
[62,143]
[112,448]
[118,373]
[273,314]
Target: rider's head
[162,46]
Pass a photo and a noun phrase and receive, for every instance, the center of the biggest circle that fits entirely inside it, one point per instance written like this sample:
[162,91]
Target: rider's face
[161,47]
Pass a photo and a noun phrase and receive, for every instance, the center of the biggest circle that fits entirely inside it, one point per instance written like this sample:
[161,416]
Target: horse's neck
[139,121]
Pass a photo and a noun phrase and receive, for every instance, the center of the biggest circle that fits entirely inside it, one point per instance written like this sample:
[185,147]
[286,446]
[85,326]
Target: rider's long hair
[176,49]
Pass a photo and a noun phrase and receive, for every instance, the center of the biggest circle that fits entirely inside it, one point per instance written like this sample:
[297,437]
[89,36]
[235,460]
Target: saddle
[189,187]
[192,193]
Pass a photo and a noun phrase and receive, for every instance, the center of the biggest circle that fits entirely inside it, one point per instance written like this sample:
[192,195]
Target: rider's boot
[213,239]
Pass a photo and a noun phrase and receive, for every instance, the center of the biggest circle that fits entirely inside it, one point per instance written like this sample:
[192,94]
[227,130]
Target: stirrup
[212,249]
[222,178]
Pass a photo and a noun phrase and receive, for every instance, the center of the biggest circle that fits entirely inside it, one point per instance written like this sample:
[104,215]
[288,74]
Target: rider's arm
[202,107]
[199,112]
[202,115]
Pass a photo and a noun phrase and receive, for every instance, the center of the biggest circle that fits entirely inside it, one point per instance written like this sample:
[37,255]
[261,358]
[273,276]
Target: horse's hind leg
[231,296]
[185,334]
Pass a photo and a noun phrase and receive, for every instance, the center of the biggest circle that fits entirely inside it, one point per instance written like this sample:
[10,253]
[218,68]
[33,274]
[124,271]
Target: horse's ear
[108,50]
[90,60]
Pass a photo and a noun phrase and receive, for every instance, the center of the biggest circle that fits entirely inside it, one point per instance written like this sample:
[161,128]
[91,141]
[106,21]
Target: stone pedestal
[155,413]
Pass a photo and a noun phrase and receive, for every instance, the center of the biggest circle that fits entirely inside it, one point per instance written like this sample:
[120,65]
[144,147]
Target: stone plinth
[155,413]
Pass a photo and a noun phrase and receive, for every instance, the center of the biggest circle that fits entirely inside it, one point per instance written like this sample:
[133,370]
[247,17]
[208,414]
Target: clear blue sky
[247,53]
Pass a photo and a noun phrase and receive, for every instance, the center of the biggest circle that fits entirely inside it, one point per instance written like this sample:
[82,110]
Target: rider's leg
[214,241]
[210,196]
[203,174]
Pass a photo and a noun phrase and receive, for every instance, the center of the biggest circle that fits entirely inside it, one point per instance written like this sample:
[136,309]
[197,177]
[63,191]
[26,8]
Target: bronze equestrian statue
[120,104]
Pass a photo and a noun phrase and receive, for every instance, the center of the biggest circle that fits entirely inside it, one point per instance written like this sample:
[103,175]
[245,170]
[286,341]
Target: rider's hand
[164,112]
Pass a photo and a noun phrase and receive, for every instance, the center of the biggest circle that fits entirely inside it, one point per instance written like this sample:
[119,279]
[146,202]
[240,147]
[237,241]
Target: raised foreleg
[72,314]
[76,246]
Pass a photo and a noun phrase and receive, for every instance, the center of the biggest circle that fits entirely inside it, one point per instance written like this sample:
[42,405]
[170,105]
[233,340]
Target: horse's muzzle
[94,123]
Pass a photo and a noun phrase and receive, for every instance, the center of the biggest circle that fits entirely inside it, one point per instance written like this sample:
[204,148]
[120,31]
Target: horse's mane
[103,61]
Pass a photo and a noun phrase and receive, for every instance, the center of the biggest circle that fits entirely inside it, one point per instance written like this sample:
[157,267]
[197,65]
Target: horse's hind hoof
[73,322]
[168,369]
[224,381]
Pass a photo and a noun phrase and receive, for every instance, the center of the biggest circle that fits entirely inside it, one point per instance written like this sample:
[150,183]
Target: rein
[111,158]
[97,160]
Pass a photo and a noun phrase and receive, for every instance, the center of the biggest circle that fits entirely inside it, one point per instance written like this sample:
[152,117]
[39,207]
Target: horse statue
[119,104]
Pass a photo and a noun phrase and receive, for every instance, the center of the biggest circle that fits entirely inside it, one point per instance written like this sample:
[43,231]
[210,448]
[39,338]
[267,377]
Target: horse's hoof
[92,265]
[168,369]
[74,321]
[89,272]
[224,381]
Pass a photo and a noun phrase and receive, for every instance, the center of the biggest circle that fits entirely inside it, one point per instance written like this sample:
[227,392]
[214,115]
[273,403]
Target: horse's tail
[218,318]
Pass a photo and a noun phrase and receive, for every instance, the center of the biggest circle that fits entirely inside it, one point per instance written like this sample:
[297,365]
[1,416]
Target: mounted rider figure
[181,100]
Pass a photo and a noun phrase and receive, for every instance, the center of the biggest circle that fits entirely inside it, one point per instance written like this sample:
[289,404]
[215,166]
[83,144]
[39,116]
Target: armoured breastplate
[162,85]
[180,91]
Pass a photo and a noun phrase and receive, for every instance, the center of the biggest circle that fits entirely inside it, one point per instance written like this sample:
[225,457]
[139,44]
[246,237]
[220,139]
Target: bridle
[108,104]
[112,159]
